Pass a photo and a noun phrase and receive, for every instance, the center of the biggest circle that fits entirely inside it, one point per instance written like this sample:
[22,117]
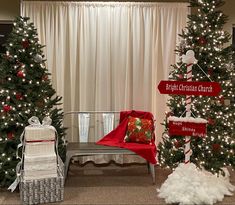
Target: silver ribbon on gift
[33,122]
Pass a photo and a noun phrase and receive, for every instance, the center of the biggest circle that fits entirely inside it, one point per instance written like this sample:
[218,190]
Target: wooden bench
[85,148]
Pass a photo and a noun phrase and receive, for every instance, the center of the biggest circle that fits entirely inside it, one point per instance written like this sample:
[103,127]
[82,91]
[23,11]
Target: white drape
[109,56]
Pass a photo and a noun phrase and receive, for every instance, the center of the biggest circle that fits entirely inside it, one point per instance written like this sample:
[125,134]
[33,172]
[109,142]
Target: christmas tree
[25,91]
[204,35]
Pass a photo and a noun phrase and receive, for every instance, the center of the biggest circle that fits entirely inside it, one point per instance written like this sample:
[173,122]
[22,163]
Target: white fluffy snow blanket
[189,185]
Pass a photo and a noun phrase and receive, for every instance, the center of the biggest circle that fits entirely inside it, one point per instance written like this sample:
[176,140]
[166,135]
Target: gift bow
[34,121]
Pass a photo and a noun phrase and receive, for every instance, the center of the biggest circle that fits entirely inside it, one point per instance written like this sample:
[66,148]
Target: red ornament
[19,96]
[216,147]
[168,114]
[6,108]
[20,74]
[180,76]
[45,77]
[19,63]
[202,41]
[10,135]
[210,71]
[221,100]
[211,121]
[25,43]
[177,144]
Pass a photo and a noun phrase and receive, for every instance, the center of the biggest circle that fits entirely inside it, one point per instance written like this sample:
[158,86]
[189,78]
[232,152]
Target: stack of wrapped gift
[42,171]
[40,160]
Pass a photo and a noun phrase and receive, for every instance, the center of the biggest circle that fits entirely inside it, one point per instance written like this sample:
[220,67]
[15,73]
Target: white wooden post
[187,149]
[189,59]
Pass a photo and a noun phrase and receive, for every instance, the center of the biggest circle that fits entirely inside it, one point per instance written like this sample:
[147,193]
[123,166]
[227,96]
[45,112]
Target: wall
[229,10]
[9,9]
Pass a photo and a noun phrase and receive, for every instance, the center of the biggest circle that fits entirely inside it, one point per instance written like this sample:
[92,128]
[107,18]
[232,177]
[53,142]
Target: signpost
[181,126]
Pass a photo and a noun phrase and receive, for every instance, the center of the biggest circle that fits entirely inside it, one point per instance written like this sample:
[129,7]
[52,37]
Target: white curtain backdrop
[109,56]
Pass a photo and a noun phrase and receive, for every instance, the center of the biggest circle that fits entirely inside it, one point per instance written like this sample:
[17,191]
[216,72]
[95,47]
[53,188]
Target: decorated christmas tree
[25,91]
[204,35]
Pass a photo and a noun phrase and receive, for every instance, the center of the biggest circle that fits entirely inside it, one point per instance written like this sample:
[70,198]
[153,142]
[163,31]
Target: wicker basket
[42,190]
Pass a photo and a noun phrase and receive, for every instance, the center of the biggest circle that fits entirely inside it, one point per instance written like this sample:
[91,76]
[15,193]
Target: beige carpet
[113,184]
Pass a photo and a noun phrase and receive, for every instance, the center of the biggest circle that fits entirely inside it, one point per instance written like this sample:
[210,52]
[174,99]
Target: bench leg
[152,170]
[67,162]
[148,166]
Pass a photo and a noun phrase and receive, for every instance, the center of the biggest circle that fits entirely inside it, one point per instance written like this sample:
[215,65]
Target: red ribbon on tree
[216,147]
[210,71]
[10,135]
[211,121]
[202,41]
[25,43]
[19,96]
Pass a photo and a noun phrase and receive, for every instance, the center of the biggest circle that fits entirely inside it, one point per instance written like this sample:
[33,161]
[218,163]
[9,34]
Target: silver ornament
[38,58]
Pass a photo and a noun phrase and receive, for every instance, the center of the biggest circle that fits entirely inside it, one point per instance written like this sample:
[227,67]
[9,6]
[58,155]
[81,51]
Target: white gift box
[37,167]
[39,148]
[40,174]
[38,133]
[40,162]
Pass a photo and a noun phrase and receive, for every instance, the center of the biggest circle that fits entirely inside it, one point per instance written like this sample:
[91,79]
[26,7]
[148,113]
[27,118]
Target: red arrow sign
[189,88]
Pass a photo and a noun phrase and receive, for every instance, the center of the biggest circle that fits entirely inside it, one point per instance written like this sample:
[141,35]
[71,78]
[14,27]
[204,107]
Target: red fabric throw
[116,137]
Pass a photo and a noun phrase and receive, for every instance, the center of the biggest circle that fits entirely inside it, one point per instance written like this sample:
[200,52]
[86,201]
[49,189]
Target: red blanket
[116,137]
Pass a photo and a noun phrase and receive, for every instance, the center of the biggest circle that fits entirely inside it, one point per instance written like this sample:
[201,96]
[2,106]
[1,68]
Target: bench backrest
[93,124]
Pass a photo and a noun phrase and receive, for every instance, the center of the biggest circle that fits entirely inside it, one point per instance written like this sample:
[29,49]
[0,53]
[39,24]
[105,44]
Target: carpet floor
[111,185]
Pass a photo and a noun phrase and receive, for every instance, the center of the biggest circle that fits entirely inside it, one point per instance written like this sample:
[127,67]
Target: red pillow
[139,130]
